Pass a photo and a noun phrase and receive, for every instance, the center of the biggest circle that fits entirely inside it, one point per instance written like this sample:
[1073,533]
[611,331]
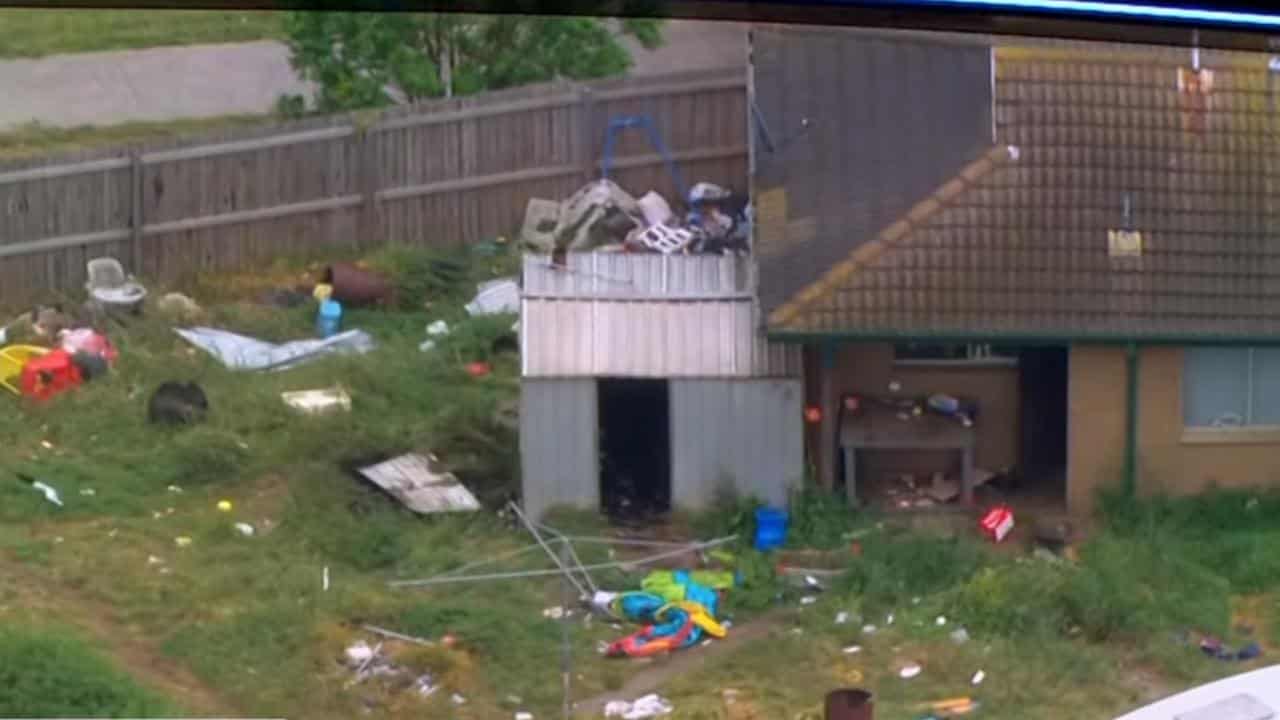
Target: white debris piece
[457,699]
[238,352]
[49,493]
[245,529]
[359,654]
[978,677]
[649,706]
[496,297]
[909,671]
[318,402]
[852,650]
[842,617]
[524,715]
[413,480]
[438,328]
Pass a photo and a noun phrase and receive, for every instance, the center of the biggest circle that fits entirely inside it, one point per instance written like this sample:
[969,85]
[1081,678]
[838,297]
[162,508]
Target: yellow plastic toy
[700,617]
[12,359]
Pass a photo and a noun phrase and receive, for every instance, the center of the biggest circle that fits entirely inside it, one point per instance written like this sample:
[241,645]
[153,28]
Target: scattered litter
[412,481]
[165,570]
[813,583]
[524,716]
[427,345]
[556,613]
[110,288]
[1215,649]
[978,677]
[224,505]
[49,493]
[317,402]
[808,600]
[889,620]
[998,523]
[852,650]
[359,654]
[239,352]
[457,699]
[153,560]
[951,707]
[324,579]
[909,671]
[649,706]
[842,617]
[87,492]
[438,328]
[478,369]
[245,529]
[941,621]
[182,541]
[797,631]
[169,511]
[57,540]
[915,601]
[959,636]
[496,297]
[46,444]
[113,533]
[869,629]
[175,489]
[425,685]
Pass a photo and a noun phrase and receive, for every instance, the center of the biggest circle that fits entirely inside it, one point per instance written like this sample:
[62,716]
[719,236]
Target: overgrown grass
[50,672]
[34,139]
[27,33]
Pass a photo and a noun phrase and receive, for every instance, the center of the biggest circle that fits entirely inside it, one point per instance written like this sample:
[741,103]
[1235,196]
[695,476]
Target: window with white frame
[953,353]
[1228,387]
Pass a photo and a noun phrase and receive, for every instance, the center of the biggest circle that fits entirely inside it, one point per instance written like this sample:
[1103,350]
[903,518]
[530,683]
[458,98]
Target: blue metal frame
[630,122]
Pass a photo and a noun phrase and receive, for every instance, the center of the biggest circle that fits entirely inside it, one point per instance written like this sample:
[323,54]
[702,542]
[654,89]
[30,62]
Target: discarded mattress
[412,481]
[245,353]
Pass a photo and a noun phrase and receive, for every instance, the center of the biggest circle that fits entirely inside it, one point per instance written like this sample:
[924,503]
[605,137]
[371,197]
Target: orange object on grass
[478,369]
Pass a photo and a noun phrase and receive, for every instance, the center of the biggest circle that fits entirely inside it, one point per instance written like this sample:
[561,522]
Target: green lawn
[28,33]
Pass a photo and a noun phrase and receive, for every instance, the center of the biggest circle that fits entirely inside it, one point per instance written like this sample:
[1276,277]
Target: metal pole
[566,651]
[550,553]
[1131,421]
[439,580]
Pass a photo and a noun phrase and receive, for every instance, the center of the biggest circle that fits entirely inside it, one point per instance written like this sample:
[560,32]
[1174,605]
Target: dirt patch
[133,653]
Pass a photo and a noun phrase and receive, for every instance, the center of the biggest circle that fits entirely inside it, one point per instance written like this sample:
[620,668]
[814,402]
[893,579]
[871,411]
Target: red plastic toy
[47,375]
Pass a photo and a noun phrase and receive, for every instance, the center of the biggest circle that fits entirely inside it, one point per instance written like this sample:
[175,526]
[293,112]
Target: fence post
[135,201]
[586,132]
[368,226]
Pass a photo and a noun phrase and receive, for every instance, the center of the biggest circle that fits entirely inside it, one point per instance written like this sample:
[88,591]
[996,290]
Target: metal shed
[688,328]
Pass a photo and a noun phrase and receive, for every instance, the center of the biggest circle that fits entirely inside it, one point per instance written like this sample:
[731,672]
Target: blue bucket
[329,319]
[771,529]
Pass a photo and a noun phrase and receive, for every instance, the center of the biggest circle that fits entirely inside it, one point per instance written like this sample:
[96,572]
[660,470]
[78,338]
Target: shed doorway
[635,448]
[1043,375]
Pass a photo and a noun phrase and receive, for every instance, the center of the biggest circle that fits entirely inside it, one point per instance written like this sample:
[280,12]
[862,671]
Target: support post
[368,226]
[1131,366]
[136,221]
[827,426]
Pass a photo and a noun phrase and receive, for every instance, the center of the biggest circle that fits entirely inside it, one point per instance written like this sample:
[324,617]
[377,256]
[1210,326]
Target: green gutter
[1131,357]
[1020,338]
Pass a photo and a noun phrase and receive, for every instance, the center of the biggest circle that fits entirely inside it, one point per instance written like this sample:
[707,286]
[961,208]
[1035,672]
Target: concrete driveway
[202,81]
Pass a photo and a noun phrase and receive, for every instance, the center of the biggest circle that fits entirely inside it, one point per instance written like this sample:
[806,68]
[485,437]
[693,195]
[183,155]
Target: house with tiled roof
[1080,242]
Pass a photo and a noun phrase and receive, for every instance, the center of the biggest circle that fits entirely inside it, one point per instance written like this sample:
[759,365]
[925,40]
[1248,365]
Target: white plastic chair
[110,287]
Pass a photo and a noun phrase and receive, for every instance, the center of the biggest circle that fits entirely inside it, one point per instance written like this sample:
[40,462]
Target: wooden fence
[440,173]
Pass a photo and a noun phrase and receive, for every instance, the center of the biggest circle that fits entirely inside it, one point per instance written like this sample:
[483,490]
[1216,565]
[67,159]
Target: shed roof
[1018,244]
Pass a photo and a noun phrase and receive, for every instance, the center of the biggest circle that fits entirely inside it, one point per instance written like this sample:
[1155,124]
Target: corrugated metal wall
[655,339]
[635,276]
[559,460]
[890,117]
[744,432]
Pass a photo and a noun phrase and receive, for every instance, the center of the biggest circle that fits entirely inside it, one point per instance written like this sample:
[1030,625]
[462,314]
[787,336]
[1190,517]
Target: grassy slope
[243,613]
[26,33]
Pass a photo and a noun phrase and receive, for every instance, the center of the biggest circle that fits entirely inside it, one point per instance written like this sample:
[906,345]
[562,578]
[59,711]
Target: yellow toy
[12,359]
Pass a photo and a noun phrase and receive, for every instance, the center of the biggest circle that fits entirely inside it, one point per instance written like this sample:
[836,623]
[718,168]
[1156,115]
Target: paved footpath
[161,84]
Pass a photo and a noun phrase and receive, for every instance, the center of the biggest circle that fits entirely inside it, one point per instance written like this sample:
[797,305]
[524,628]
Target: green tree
[363,60]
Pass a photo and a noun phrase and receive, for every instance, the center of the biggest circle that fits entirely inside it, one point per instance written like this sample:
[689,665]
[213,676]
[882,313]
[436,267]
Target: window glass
[1215,387]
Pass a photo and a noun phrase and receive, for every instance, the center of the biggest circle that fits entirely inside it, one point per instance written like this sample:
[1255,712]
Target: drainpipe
[1131,421]
[827,441]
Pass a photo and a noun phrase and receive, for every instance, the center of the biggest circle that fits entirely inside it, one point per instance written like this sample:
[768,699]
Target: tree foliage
[360,60]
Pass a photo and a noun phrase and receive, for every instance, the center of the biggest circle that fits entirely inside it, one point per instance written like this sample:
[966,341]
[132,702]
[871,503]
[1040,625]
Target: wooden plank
[50,245]
[481,181]
[688,88]
[240,146]
[50,172]
[652,159]
[476,113]
[247,216]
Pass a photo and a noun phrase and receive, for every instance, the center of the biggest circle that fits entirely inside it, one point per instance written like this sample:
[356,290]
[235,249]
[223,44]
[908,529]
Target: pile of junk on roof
[602,217]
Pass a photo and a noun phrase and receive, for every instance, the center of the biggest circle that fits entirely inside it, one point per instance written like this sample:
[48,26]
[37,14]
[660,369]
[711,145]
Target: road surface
[208,80]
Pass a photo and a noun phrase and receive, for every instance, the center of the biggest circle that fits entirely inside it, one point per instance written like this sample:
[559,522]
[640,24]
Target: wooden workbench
[880,428]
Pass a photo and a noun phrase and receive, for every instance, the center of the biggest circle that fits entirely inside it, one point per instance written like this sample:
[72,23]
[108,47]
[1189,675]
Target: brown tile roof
[1019,245]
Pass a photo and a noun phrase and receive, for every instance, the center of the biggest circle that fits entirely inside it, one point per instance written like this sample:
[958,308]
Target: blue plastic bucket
[771,529]
[329,319]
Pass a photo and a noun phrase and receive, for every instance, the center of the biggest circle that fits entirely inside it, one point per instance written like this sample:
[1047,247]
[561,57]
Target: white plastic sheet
[245,353]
